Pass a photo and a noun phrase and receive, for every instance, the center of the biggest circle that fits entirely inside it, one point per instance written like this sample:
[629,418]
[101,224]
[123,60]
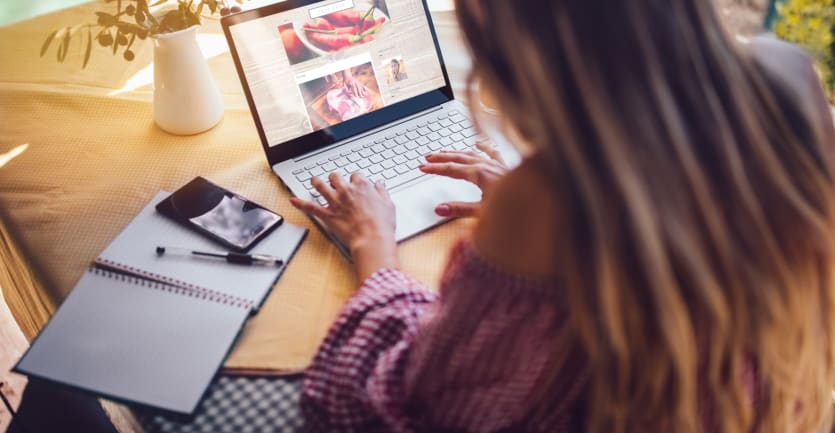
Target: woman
[661,261]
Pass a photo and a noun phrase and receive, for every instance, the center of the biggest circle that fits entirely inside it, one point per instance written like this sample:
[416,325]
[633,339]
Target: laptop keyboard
[395,156]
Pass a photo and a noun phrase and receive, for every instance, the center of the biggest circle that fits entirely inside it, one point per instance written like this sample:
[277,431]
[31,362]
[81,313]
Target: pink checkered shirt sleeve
[401,359]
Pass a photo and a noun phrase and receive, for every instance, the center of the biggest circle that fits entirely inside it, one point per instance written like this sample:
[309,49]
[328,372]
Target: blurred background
[809,23]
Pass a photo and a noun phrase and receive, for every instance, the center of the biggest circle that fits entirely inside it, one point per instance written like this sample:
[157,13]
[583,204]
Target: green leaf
[89,48]
[47,42]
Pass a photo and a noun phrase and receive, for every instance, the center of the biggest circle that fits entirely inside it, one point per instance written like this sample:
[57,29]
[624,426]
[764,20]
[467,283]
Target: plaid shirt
[401,359]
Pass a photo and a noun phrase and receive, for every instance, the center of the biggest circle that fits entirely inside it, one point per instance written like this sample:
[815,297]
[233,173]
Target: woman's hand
[470,166]
[361,215]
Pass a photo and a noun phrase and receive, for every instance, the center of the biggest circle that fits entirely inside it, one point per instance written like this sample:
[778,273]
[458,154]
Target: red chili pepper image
[342,29]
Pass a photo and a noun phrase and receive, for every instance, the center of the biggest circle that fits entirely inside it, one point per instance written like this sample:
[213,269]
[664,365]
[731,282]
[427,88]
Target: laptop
[353,86]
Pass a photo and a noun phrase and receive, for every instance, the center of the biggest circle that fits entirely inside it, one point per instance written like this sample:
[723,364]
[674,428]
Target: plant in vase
[186,98]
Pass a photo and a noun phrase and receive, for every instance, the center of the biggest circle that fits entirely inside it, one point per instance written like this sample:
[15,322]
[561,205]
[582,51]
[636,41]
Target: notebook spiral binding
[132,275]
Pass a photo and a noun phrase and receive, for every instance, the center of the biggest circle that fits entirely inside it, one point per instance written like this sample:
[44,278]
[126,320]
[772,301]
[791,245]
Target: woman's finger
[337,182]
[457,209]
[380,186]
[454,170]
[459,157]
[358,178]
[310,208]
[324,188]
[491,152]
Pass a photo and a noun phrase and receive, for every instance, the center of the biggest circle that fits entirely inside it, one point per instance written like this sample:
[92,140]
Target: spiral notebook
[136,340]
[134,252]
[154,330]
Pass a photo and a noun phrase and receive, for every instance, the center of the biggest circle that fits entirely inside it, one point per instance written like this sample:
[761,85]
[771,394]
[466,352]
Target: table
[80,156]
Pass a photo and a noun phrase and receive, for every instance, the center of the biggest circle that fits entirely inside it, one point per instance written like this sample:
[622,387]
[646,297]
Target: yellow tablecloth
[80,156]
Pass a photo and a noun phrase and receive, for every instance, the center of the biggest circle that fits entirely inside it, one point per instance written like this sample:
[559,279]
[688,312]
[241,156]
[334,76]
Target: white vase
[186,98]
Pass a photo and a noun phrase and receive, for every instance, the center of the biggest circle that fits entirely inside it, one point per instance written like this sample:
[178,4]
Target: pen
[239,258]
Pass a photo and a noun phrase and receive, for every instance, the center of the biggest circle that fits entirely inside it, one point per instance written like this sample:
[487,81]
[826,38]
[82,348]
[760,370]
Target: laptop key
[424,131]
[322,161]
[412,145]
[402,139]
[423,140]
[317,171]
[388,154]
[366,153]
[434,126]
[400,169]
[411,155]
[376,158]
[408,176]
[390,144]
[401,149]
[423,150]
[437,145]
[322,201]
[351,168]
[387,163]
[445,123]
[434,136]
[413,164]
[455,128]
[310,166]
[375,169]
[329,167]
[413,135]
[445,132]
[354,157]
[389,174]
[378,148]
[457,136]
[469,132]
[303,176]
[341,162]
[363,163]
[346,153]
[400,159]
[298,170]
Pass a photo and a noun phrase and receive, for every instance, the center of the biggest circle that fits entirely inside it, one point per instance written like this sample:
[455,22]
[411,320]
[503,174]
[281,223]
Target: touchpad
[416,203]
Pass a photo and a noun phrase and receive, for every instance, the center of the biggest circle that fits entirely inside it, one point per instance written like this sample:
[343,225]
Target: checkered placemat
[238,404]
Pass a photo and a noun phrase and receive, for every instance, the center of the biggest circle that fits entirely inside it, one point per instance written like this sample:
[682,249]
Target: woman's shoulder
[790,70]
[519,223]
[783,61]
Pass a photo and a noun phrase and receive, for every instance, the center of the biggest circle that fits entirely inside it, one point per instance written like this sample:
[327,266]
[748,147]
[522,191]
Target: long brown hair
[699,210]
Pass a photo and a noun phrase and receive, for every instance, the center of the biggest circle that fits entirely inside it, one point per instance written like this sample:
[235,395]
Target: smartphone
[219,214]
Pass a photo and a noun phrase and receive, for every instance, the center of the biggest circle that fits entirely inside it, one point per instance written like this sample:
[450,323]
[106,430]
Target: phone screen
[220,213]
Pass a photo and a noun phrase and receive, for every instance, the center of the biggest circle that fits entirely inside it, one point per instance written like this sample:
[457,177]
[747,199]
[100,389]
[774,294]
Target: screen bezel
[325,137]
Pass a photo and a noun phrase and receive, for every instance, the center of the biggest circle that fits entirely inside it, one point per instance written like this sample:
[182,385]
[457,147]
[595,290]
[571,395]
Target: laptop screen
[313,67]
